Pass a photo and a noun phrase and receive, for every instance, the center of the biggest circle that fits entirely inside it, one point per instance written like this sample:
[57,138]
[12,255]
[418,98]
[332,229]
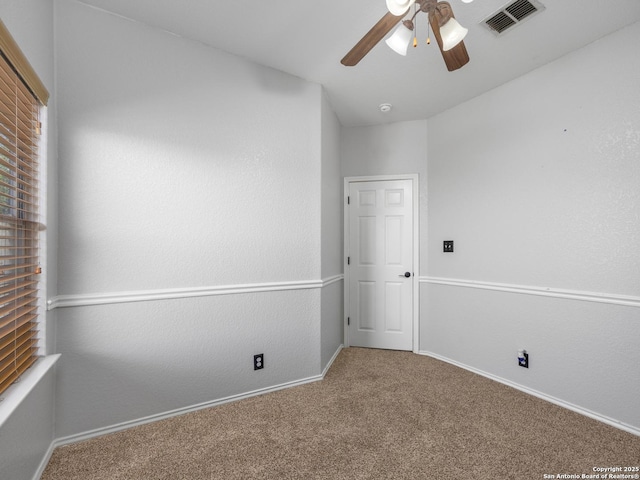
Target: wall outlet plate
[447,246]
[524,360]
[258,361]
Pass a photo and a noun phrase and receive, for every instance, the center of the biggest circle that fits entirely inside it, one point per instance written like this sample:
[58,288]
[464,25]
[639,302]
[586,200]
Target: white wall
[181,168]
[542,196]
[186,153]
[390,149]
[331,251]
[27,434]
[537,184]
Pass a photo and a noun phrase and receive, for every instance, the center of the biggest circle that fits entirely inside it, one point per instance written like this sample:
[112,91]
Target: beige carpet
[377,415]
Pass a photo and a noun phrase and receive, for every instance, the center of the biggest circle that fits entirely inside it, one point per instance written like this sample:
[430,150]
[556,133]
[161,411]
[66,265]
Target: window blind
[19,224]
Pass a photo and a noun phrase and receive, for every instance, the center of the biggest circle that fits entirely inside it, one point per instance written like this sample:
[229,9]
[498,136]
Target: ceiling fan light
[452,33]
[399,7]
[399,41]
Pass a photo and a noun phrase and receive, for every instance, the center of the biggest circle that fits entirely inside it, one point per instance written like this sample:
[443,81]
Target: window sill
[15,395]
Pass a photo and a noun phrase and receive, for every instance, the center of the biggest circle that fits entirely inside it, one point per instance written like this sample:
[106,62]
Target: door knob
[406,274]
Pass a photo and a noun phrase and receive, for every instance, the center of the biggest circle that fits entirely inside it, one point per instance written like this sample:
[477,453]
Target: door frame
[416,250]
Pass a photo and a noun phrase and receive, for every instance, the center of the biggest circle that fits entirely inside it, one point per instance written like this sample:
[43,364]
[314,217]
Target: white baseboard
[333,358]
[570,406]
[174,413]
[179,411]
[45,461]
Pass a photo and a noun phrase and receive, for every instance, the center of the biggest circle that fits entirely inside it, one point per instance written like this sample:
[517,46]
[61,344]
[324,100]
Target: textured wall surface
[581,353]
[181,167]
[27,434]
[538,179]
[537,184]
[332,197]
[393,149]
[169,147]
[331,251]
[124,362]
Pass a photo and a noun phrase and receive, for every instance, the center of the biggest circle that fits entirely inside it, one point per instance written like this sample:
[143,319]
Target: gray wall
[184,169]
[27,434]
[537,184]
[392,149]
[541,200]
[25,438]
[331,248]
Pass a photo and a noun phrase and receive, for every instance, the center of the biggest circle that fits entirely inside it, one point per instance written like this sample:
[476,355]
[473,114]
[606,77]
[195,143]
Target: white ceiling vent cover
[511,14]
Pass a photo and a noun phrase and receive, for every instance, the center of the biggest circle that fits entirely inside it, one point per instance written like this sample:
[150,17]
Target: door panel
[366,306]
[393,241]
[367,240]
[380,248]
[393,301]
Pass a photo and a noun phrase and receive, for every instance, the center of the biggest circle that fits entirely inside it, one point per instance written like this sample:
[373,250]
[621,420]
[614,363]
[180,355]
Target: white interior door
[380,264]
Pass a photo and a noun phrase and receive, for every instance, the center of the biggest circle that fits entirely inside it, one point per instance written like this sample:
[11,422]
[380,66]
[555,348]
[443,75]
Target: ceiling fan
[446,30]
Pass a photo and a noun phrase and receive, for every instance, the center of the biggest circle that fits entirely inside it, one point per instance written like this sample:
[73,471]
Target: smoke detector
[385,107]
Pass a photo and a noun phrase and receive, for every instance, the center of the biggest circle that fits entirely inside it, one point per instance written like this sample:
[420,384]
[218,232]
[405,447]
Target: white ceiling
[308,38]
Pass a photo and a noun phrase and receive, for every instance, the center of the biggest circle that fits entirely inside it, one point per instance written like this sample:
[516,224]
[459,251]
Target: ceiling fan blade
[455,58]
[373,36]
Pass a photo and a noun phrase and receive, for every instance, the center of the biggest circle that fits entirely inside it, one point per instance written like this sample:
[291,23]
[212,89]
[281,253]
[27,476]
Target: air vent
[511,14]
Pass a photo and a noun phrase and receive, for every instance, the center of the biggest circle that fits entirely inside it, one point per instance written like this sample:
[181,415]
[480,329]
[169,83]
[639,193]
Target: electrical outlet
[523,359]
[258,361]
[447,246]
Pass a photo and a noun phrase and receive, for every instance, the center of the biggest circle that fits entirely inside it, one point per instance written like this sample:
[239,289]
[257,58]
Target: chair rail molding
[614,299]
[83,300]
